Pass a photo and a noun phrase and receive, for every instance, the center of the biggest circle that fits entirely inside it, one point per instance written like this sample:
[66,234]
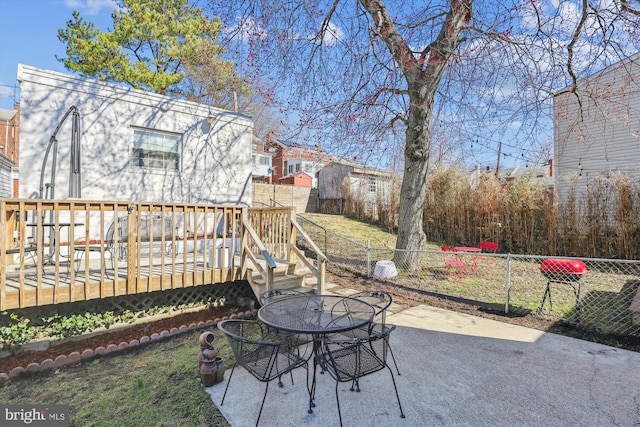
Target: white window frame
[373,184]
[156,150]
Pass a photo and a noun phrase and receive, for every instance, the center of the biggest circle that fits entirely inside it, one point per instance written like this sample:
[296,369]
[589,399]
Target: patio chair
[488,247]
[106,248]
[29,250]
[256,351]
[350,359]
[277,294]
[454,265]
[380,300]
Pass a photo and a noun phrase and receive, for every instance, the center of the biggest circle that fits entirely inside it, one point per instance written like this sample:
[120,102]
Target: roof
[630,59]
[7,115]
[360,168]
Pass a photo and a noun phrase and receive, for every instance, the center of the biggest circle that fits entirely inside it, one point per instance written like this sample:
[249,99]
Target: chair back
[263,357]
[277,294]
[380,300]
[353,358]
[489,247]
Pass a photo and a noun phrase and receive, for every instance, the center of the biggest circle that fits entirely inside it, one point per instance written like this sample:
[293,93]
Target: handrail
[321,268]
[268,274]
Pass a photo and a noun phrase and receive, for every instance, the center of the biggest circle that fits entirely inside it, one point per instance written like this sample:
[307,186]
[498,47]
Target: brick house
[293,159]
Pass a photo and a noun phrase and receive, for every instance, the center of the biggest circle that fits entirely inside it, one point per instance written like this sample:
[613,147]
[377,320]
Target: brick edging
[75,357]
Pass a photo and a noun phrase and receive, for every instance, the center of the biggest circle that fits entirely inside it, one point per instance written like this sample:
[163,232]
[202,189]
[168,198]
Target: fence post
[325,240]
[508,284]
[368,258]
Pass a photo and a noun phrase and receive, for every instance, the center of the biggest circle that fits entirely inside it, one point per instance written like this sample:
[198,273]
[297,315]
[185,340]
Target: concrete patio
[459,369]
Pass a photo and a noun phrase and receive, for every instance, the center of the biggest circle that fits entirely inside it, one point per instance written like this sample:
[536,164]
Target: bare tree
[359,73]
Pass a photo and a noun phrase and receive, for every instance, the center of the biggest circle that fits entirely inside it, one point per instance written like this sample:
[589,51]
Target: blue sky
[29,35]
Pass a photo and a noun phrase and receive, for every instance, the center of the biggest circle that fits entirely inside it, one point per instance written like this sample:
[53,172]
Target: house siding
[604,135]
[215,157]
[333,178]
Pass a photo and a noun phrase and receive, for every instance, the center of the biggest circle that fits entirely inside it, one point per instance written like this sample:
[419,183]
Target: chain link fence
[602,295]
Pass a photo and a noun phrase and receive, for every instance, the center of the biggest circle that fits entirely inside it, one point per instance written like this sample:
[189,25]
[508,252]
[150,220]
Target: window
[266,161]
[156,150]
[373,184]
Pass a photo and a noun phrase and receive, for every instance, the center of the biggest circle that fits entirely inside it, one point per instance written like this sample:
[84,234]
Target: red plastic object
[563,270]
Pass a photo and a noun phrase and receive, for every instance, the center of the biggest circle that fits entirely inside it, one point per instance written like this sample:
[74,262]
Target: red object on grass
[563,270]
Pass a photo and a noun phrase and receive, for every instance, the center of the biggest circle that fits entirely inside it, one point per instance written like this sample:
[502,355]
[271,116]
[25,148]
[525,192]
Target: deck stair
[295,276]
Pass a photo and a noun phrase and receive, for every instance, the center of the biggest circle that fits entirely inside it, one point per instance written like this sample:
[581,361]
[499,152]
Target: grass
[156,385]
[604,298]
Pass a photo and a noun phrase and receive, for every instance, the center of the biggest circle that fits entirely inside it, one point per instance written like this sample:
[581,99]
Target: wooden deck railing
[57,251]
[97,249]
[284,238]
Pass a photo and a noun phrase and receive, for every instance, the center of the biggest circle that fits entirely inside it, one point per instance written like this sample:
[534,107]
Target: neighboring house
[597,127]
[537,174]
[134,145]
[363,183]
[261,161]
[6,177]
[9,145]
[291,159]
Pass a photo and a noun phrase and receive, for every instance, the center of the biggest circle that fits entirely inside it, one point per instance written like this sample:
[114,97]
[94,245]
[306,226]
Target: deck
[68,251]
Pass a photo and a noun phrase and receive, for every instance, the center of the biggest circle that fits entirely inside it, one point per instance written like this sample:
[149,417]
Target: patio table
[52,226]
[467,249]
[318,316]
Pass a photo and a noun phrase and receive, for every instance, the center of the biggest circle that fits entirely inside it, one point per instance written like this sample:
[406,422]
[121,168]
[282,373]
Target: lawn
[155,385]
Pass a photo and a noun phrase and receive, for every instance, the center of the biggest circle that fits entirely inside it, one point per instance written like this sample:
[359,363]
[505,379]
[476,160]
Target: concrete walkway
[462,370]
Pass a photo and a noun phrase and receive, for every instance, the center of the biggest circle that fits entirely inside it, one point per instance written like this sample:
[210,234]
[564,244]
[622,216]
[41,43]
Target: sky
[29,35]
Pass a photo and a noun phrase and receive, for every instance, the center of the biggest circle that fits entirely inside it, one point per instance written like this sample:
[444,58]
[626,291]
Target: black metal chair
[380,300]
[255,350]
[275,294]
[349,359]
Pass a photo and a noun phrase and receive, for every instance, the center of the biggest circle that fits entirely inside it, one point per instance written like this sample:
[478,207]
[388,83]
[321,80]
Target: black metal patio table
[318,316]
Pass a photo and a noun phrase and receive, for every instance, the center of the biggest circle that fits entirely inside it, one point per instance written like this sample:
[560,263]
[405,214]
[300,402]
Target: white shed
[597,128]
[134,145]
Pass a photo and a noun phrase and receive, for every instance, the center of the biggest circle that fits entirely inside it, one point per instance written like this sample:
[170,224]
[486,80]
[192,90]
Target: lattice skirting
[141,302]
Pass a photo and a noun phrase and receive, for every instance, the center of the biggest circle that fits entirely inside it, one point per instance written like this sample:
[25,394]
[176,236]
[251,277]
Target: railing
[97,249]
[57,251]
[284,239]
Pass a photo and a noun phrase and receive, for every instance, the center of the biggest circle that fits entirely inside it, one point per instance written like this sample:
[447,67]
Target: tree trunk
[411,236]
[423,71]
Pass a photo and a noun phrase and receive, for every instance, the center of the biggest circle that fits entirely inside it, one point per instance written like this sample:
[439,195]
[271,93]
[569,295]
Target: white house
[597,127]
[368,185]
[133,145]
[261,161]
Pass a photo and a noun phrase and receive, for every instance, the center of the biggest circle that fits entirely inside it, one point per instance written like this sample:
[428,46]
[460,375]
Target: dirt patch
[409,298]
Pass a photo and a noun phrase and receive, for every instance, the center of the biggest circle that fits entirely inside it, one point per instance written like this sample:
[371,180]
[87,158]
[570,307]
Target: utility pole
[498,162]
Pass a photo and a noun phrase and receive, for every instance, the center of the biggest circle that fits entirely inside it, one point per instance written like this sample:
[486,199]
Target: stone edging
[75,357]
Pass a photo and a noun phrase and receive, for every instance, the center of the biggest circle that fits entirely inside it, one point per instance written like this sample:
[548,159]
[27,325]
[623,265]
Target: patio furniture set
[460,267]
[347,337]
